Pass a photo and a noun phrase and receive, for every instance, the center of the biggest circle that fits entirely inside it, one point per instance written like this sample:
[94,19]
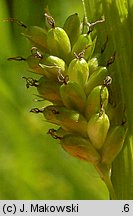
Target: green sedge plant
[78,74]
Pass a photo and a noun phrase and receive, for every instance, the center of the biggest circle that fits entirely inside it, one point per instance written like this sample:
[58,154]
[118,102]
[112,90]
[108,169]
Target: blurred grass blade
[122,166]
[5,33]
[118,27]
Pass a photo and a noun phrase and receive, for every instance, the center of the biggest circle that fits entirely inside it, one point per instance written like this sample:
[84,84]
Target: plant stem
[104,173]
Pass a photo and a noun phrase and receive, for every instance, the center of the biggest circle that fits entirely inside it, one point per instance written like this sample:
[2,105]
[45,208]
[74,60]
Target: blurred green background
[32,164]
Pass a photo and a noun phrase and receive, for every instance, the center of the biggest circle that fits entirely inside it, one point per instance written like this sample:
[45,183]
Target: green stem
[104,173]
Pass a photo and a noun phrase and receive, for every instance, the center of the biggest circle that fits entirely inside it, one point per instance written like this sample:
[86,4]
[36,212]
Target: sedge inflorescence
[76,86]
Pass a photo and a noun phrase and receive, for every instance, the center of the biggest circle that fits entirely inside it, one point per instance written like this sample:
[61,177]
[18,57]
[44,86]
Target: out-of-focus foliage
[32,164]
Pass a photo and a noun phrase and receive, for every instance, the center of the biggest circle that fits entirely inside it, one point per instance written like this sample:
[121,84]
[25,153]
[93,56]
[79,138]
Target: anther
[37,110]
[18,22]
[16,58]
[111,60]
[30,82]
[36,53]
[50,20]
